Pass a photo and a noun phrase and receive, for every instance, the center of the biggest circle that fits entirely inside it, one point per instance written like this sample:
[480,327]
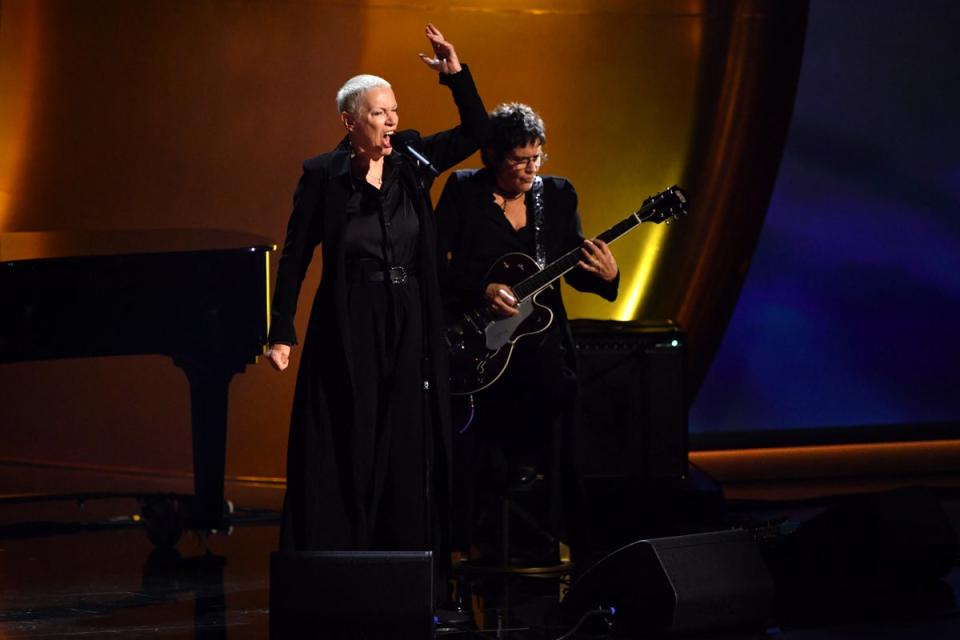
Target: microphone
[403,143]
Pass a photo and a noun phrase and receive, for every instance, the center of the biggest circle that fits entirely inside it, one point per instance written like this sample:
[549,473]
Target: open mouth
[387,143]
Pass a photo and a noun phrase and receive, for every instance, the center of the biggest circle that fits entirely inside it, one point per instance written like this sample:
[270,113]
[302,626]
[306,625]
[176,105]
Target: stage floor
[86,569]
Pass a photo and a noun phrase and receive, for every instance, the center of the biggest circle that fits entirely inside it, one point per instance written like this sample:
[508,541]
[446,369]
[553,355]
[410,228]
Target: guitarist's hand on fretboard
[598,260]
[501,299]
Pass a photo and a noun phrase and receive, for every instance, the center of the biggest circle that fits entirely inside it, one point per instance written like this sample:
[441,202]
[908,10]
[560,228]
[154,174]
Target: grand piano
[200,296]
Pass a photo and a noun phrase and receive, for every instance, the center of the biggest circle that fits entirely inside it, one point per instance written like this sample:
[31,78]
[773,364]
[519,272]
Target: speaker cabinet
[633,417]
[631,432]
[869,553]
[693,583]
[373,592]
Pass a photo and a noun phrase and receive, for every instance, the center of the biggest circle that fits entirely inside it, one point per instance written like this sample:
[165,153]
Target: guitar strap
[537,201]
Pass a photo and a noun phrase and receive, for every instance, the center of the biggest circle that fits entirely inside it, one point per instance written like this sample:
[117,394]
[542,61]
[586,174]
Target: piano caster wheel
[225,529]
[161,516]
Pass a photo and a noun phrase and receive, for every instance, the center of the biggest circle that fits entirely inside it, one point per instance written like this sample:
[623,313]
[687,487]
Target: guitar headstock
[668,205]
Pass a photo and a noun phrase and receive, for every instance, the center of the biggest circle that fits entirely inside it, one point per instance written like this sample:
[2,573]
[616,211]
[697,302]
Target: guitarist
[522,421]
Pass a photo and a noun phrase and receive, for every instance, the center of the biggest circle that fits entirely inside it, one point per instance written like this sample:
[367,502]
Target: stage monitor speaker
[633,417]
[694,583]
[317,592]
[862,554]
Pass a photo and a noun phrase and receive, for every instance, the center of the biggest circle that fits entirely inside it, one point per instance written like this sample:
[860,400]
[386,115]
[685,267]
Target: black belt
[393,275]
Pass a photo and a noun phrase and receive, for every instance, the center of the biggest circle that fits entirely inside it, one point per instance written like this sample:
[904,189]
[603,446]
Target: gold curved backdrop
[159,114]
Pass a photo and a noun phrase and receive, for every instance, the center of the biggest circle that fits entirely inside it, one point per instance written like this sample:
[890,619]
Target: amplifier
[630,439]
[633,416]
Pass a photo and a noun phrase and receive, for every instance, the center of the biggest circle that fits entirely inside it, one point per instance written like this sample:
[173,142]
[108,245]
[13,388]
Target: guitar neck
[531,285]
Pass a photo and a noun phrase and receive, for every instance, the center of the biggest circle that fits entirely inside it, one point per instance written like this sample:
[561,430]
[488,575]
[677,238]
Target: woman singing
[368,458]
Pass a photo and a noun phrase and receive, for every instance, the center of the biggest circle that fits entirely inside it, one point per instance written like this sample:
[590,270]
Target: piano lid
[48,245]
[70,294]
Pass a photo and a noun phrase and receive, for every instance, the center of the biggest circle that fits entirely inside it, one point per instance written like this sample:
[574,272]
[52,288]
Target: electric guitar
[480,342]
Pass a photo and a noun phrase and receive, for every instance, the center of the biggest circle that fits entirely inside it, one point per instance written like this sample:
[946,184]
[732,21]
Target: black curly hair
[512,124]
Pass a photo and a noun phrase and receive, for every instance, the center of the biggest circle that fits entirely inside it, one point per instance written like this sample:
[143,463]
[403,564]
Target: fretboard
[531,285]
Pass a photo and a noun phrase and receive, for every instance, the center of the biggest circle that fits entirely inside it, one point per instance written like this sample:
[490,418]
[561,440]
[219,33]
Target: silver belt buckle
[398,275]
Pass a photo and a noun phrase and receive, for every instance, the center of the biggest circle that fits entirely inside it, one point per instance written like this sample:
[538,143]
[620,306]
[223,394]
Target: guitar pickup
[474,324]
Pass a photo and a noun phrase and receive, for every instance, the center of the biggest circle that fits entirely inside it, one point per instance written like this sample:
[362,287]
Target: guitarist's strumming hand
[501,299]
[598,260]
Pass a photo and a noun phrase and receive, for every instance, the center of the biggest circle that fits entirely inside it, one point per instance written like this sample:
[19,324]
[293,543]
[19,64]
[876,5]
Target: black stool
[516,518]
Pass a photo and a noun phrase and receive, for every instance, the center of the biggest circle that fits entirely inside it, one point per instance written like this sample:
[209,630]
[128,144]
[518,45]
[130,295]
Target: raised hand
[444,57]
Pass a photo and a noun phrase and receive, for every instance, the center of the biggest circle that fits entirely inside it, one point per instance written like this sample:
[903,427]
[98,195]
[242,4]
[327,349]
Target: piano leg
[209,379]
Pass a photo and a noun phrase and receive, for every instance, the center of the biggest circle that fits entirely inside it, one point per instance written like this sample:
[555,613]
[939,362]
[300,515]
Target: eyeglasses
[535,160]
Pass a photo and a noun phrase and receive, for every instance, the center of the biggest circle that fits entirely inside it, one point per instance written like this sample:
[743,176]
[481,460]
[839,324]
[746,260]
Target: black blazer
[325,379]
[466,254]
[464,214]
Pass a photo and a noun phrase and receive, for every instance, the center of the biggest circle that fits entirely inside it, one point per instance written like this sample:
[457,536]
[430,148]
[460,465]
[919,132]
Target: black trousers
[522,422]
[358,457]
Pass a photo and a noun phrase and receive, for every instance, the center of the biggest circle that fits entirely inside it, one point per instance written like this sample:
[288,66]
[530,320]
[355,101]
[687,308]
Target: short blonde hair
[353,90]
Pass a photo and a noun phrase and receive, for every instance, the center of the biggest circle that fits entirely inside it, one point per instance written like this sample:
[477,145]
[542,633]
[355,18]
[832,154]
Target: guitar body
[480,343]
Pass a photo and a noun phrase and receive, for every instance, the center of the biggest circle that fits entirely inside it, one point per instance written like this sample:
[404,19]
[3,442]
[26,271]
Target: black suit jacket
[323,401]
[464,223]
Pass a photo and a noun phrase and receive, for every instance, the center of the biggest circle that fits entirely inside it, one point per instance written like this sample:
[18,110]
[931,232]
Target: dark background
[849,315]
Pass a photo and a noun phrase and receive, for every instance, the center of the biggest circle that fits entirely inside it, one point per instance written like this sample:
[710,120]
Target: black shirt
[382,223]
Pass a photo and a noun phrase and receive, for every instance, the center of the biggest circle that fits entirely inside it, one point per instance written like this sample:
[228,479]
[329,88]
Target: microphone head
[403,139]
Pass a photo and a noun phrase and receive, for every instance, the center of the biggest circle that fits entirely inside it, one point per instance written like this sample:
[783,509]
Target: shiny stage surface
[72,569]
